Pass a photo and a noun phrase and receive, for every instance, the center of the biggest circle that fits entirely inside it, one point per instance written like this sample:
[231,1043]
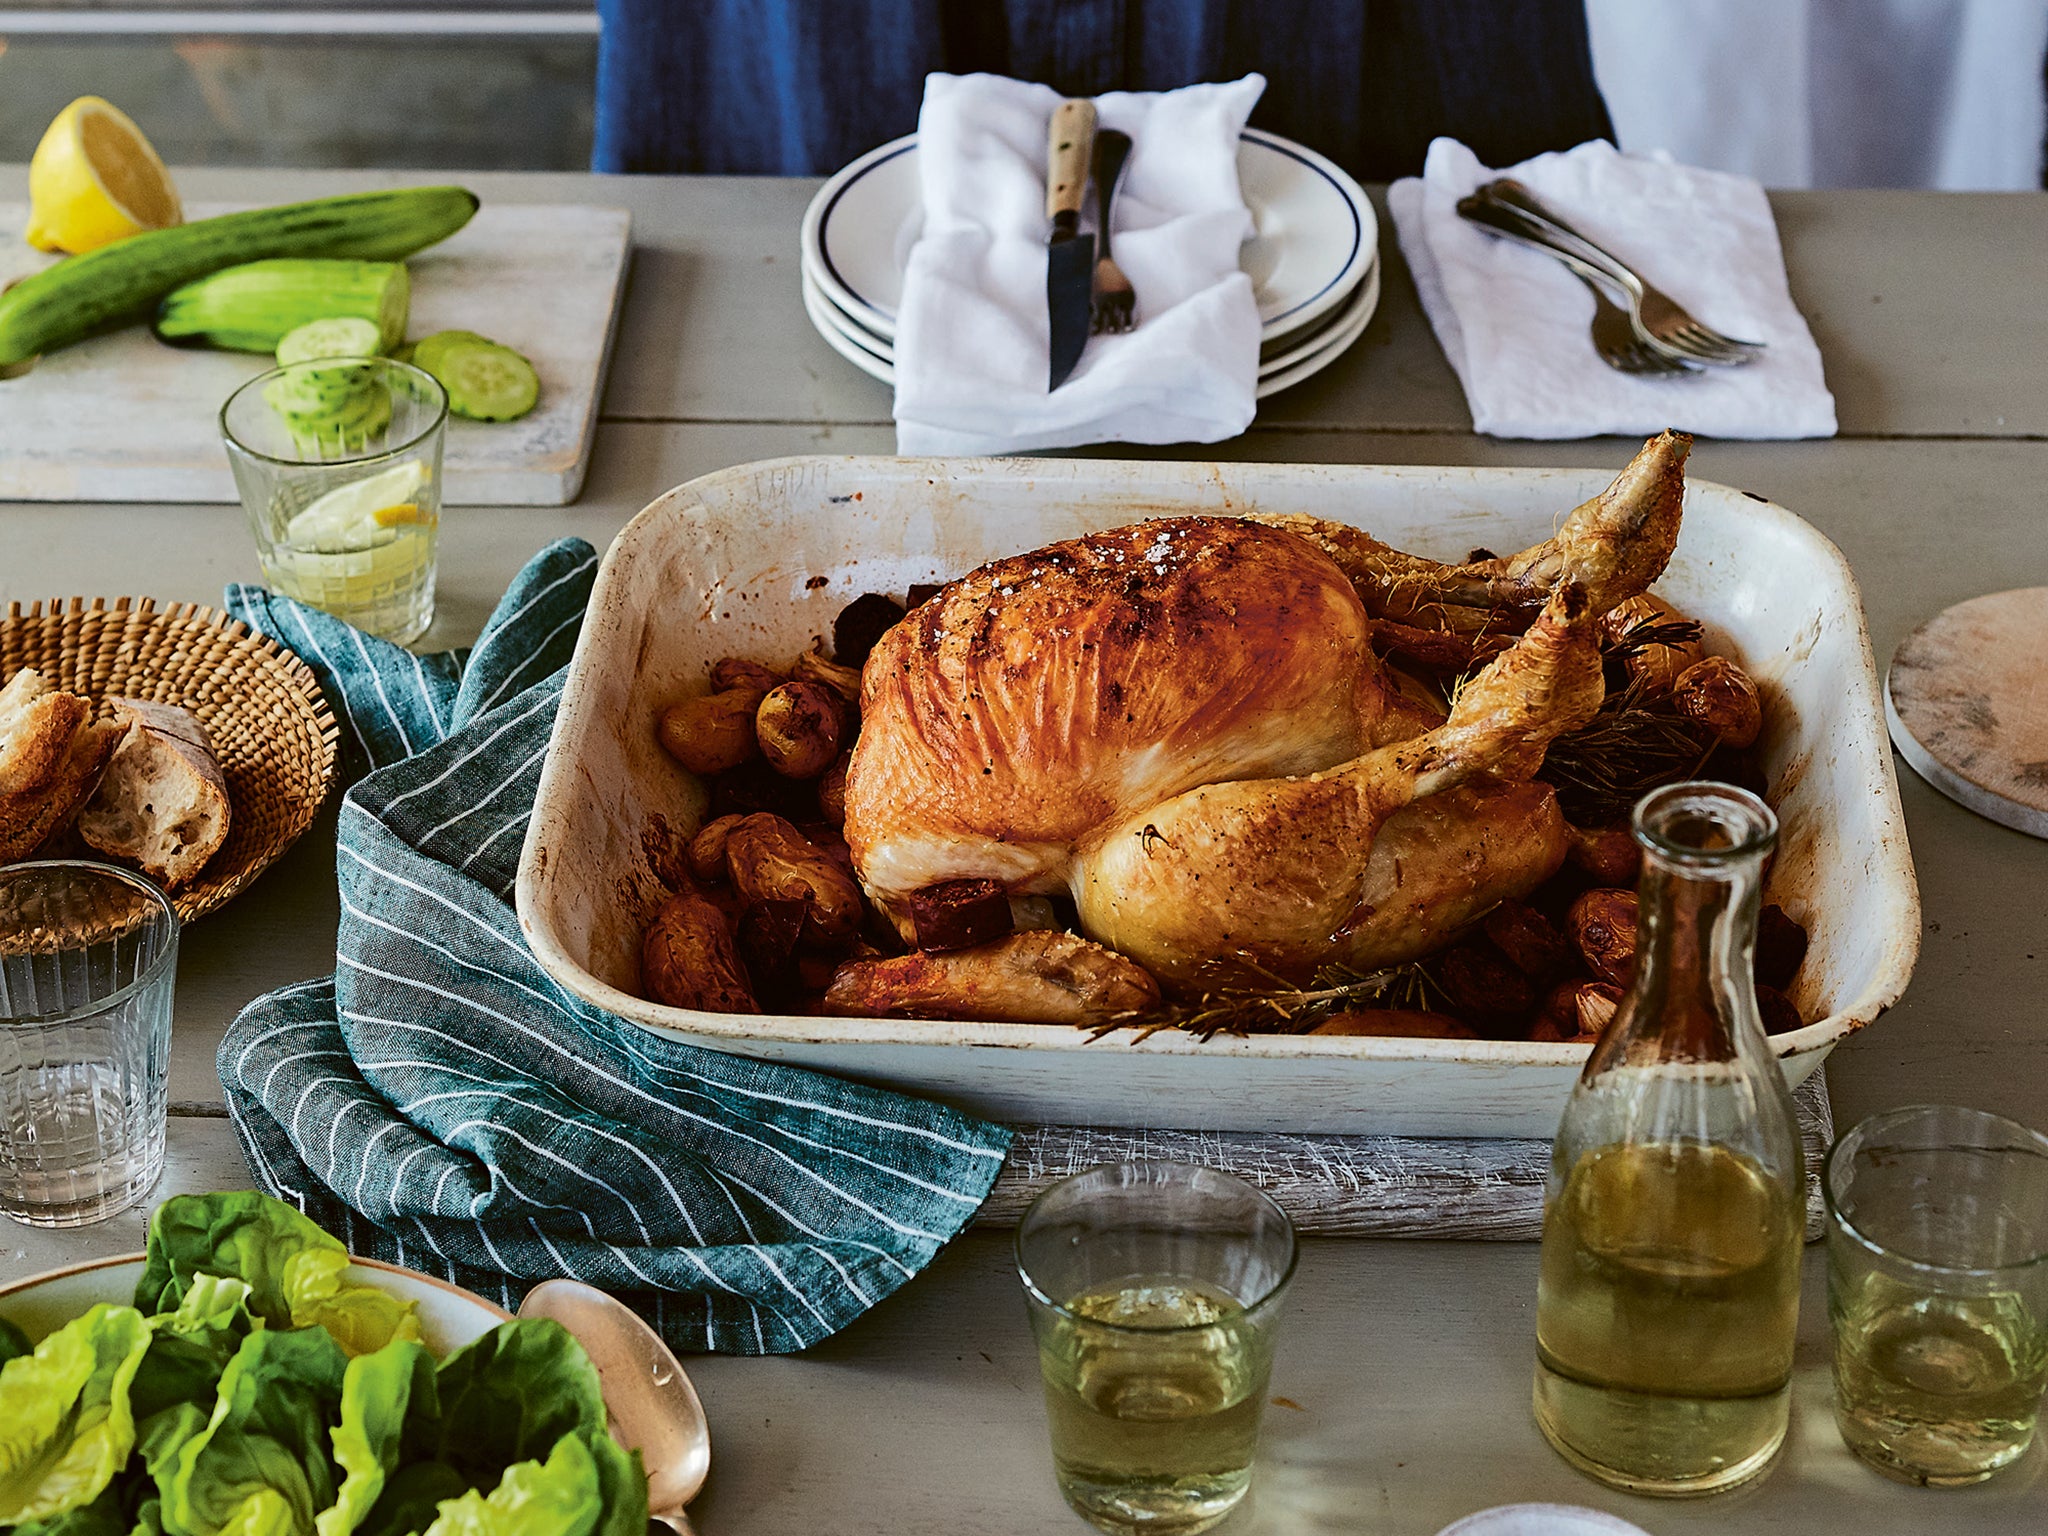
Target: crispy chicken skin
[1183,725]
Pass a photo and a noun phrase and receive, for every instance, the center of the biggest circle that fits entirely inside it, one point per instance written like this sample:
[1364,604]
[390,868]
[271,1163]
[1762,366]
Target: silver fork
[1615,335]
[1664,322]
[1115,306]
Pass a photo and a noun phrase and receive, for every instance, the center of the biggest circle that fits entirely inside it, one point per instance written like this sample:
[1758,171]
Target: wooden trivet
[1967,703]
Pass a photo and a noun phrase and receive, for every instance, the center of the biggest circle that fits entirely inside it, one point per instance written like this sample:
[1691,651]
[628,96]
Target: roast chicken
[1184,726]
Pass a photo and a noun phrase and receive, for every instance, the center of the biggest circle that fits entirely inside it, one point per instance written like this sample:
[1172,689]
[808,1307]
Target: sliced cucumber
[485,381]
[317,391]
[341,336]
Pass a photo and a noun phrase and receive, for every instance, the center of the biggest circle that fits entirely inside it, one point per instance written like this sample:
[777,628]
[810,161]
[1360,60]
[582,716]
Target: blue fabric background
[800,87]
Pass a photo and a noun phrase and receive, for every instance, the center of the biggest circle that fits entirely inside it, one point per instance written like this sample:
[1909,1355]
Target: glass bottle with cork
[1675,1209]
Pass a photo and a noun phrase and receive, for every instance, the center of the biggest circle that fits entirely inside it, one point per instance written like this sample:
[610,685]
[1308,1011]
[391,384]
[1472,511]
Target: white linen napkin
[973,344]
[1514,321]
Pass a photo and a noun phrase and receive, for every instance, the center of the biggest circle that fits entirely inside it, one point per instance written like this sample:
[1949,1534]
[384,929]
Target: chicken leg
[1279,876]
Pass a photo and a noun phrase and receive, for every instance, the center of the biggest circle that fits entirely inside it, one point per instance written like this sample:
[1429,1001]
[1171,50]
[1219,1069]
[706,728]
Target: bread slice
[163,802]
[37,723]
[27,818]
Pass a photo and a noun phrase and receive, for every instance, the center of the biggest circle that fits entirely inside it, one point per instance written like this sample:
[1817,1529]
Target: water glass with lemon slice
[338,461]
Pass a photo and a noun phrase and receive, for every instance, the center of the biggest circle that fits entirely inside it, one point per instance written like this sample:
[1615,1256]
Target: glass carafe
[1675,1209]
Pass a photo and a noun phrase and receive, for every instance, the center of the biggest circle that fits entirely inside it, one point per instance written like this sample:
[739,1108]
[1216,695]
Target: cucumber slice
[428,348]
[485,381]
[365,416]
[317,391]
[343,336]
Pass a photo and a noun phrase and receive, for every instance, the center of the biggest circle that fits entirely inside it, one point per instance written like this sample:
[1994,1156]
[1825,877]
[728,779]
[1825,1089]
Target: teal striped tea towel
[440,1102]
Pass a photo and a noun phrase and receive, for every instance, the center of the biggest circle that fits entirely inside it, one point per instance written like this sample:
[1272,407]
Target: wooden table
[1409,1360]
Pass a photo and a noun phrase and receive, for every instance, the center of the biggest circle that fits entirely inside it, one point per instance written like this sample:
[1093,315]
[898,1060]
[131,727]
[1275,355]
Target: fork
[1115,306]
[1614,331]
[1664,323]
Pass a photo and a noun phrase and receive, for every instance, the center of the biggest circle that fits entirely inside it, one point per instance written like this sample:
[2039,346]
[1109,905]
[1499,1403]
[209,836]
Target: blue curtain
[799,87]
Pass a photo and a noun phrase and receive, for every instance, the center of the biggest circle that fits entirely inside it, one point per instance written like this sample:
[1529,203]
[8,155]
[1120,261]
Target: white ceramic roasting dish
[754,561]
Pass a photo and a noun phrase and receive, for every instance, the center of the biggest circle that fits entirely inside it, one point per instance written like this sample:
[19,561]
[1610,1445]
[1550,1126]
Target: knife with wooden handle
[1069,254]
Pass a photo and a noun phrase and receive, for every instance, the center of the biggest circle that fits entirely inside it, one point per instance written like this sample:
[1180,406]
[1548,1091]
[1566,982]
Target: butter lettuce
[189,1348]
[512,1395]
[558,1497]
[295,1271]
[102,1517]
[387,1400]
[261,1466]
[13,1342]
[68,1427]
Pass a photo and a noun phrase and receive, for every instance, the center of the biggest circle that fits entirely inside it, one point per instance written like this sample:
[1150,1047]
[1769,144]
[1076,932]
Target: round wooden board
[1967,703]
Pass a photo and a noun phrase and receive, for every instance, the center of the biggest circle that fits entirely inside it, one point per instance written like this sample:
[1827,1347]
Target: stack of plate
[1313,261]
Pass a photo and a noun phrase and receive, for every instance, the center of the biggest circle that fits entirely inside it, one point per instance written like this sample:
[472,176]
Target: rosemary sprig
[1281,1008]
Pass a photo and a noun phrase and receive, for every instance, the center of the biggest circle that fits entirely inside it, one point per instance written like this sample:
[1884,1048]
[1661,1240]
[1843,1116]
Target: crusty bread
[163,802]
[37,723]
[27,818]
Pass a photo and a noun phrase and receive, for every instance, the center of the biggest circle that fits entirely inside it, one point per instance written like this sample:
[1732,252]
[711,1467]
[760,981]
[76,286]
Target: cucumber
[251,307]
[485,381]
[343,337]
[120,283]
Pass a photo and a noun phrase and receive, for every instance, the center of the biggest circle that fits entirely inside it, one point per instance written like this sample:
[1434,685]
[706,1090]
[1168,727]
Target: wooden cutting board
[124,418]
[1968,705]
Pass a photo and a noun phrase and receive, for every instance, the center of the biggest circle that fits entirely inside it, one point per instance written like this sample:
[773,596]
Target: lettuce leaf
[13,1342]
[261,1467]
[68,1427]
[412,1497]
[189,1348]
[388,1400]
[558,1497]
[513,1394]
[102,1517]
[293,1268]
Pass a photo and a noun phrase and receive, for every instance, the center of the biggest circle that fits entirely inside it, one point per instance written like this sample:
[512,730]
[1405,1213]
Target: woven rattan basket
[271,728]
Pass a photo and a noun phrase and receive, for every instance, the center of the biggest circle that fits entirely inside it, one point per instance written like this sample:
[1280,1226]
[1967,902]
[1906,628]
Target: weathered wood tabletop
[1409,1360]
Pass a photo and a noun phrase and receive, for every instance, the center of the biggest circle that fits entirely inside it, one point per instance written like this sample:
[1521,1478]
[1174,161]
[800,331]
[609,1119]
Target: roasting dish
[757,559]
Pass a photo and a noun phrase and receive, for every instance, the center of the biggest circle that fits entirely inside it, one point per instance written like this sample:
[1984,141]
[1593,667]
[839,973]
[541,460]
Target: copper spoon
[654,1410]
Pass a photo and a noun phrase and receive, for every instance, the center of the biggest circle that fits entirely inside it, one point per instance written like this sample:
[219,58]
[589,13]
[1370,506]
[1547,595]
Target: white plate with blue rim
[875,355]
[1316,234]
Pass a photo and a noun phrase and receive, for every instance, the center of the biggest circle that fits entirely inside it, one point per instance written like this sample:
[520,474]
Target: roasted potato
[798,727]
[1408,1023]
[711,732]
[832,790]
[688,959]
[1718,696]
[769,860]
[1656,667]
[707,848]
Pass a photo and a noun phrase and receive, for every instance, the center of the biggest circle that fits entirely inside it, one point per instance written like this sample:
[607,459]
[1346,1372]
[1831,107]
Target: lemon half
[95,179]
[362,514]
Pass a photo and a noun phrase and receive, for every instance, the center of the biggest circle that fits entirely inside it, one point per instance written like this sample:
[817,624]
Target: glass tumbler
[1938,1290]
[1154,1290]
[88,954]
[338,462]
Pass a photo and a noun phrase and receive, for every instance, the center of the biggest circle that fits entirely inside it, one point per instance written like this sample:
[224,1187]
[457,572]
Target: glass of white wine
[338,462]
[1938,1291]
[1155,1289]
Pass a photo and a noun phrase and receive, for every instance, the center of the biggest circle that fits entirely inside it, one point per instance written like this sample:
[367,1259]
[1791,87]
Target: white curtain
[1831,93]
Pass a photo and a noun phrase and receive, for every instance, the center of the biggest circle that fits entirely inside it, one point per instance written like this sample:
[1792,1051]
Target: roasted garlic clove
[711,732]
[1718,696]
[798,729]
[815,667]
[1603,926]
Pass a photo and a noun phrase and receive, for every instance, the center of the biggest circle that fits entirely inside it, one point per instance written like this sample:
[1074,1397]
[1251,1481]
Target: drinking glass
[1154,1290]
[1938,1290]
[88,954]
[346,517]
